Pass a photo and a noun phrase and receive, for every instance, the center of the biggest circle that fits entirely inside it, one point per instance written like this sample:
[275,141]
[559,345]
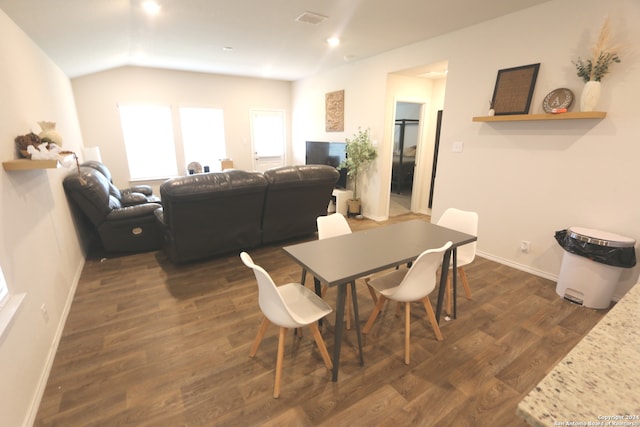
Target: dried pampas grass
[603,54]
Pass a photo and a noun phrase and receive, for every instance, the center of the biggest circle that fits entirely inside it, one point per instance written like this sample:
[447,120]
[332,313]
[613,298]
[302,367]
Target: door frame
[254,153]
[418,171]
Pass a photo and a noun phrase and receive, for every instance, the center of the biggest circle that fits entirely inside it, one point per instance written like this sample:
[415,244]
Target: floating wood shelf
[533,117]
[26,164]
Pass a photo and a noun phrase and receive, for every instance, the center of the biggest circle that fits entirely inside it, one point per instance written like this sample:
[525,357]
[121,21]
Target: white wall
[97,96]
[526,179]
[39,250]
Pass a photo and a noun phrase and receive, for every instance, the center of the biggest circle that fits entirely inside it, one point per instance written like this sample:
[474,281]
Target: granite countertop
[598,382]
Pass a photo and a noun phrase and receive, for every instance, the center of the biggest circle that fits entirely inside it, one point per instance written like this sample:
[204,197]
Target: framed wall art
[334,111]
[514,89]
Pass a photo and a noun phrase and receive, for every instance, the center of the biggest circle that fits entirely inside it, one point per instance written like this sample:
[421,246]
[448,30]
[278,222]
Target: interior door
[268,136]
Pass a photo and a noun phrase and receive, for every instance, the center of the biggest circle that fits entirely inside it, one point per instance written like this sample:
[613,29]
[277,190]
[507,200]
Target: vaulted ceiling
[258,38]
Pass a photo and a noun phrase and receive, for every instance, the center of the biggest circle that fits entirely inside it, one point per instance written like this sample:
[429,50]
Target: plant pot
[590,96]
[354,207]
[49,132]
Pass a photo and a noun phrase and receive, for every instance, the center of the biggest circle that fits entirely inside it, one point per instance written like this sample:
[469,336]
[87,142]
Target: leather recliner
[129,196]
[119,228]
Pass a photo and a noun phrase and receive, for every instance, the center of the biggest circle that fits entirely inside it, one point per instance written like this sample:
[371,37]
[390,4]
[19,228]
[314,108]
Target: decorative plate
[558,98]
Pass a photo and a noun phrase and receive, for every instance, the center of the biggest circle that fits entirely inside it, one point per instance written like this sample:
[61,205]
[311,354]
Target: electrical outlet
[525,246]
[458,147]
[45,313]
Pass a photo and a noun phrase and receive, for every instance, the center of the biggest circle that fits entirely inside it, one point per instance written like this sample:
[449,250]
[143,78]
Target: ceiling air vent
[311,18]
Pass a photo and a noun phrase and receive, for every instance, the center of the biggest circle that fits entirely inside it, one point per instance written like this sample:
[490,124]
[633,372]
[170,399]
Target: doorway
[406,139]
[267,138]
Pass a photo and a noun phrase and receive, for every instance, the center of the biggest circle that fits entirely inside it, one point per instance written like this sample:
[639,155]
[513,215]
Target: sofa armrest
[136,211]
[133,198]
[144,189]
[159,213]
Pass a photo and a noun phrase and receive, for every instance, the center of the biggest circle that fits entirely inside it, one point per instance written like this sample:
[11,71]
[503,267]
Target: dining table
[339,261]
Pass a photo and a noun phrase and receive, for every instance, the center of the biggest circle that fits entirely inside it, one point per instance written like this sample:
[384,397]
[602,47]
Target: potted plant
[592,70]
[360,153]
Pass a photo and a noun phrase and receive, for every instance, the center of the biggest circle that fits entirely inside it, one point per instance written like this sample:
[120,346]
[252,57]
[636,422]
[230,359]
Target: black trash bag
[617,257]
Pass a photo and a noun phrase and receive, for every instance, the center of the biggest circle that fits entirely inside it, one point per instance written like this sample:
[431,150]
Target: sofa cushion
[296,196]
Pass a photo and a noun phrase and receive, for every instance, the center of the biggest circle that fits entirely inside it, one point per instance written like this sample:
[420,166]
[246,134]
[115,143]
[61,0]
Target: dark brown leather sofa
[210,214]
[119,228]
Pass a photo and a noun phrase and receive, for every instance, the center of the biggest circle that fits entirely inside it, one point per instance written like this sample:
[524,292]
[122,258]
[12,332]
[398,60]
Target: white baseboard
[44,377]
[616,296]
[518,266]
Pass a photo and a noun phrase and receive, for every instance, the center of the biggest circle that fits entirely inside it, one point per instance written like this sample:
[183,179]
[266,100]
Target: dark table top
[341,259]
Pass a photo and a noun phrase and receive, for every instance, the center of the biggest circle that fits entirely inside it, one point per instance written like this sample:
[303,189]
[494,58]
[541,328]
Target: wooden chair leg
[276,387]
[372,291]
[256,342]
[321,346]
[432,318]
[465,282]
[374,314]
[407,332]
[324,290]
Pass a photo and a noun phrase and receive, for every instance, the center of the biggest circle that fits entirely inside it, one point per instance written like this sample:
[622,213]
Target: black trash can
[591,265]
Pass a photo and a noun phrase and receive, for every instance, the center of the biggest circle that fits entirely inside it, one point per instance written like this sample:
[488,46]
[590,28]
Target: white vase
[49,131]
[590,96]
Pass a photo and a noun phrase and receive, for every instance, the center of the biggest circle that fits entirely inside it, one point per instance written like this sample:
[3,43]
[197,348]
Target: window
[202,135]
[4,291]
[148,140]
[9,304]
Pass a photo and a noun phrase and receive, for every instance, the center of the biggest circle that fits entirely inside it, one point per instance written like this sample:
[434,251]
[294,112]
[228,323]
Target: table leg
[356,317]
[446,259]
[318,288]
[342,290]
[304,276]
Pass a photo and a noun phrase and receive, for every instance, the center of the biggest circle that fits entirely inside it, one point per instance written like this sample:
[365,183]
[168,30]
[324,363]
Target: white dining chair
[287,306]
[465,222]
[407,285]
[331,226]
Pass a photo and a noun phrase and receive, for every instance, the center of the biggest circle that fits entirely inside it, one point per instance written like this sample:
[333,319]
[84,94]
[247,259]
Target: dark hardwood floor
[148,343]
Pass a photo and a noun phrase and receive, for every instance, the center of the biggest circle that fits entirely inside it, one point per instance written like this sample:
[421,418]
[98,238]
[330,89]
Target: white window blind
[148,139]
[203,138]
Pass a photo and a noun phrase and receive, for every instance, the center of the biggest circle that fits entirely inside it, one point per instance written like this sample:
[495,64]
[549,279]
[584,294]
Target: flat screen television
[328,153]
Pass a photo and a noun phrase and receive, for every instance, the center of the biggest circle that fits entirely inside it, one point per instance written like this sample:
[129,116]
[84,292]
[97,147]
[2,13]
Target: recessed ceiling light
[151,7]
[333,41]
[227,49]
